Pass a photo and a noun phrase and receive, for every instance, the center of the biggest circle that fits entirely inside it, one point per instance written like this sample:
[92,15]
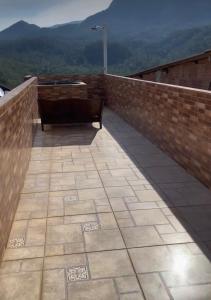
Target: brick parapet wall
[176,118]
[95,89]
[61,92]
[18,109]
[196,74]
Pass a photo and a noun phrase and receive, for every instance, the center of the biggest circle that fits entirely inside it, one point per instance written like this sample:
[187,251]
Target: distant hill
[20,29]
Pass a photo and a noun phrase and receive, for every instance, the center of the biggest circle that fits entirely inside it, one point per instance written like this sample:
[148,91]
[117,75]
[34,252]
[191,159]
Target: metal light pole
[105,45]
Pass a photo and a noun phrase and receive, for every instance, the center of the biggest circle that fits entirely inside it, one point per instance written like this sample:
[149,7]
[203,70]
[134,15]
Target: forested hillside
[142,34]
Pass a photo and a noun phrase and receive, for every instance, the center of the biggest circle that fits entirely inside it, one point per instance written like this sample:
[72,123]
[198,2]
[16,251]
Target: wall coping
[9,97]
[179,87]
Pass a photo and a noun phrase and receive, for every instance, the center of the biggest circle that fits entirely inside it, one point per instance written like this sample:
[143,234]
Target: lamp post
[105,45]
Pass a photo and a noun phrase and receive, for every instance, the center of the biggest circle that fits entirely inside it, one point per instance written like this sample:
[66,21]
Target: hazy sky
[48,12]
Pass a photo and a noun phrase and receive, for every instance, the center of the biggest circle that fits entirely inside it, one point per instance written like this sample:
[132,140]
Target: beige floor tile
[132,296]
[109,181]
[201,292]
[73,167]
[32,206]
[64,234]
[23,253]
[39,167]
[7,267]
[30,265]
[174,238]
[36,234]
[103,289]
[81,207]
[141,236]
[92,194]
[127,284]
[149,195]
[18,231]
[107,221]
[115,192]
[64,262]
[58,200]
[118,204]
[36,183]
[54,285]
[27,233]
[176,223]
[74,180]
[188,270]
[21,286]
[151,259]
[62,181]
[142,205]
[109,264]
[88,183]
[80,219]
[103,240]
[149,217]
[162,229]
[25,265]
[153,287]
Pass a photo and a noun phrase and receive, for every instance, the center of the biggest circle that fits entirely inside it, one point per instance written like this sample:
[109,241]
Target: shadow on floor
[65,135]
[186,200]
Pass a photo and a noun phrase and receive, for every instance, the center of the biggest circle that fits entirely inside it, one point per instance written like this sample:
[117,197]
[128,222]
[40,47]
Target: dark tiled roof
[197,57]
[4,88]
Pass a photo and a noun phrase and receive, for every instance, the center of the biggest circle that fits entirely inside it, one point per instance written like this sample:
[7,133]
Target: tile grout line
[165,286]
[42,277]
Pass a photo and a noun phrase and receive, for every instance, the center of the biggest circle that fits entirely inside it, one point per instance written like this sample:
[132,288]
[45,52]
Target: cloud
[48,12]
[71,11]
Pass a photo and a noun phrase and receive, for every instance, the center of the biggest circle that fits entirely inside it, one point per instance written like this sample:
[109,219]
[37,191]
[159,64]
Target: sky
[48,12]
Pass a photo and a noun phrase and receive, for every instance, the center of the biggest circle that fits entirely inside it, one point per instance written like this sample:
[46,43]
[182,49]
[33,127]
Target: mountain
[142,34]
[20,29]
[151,18]
[47,55]
[126,19]
[185,43]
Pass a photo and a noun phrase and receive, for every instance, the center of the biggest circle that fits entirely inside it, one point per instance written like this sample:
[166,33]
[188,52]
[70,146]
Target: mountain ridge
[74,48]
[140,20]
[19,29]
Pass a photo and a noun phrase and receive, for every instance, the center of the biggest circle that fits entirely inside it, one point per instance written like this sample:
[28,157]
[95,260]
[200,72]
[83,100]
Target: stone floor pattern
[106,215]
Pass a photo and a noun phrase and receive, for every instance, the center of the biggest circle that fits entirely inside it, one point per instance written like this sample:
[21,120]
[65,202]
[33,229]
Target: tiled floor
[105,215]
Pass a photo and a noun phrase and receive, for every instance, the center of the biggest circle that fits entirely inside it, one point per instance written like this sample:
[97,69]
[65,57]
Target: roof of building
[4,88]
[193,58]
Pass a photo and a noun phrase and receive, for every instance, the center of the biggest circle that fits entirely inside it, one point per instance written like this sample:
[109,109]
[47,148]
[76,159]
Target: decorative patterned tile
[92,226]
[71,198]
[16,243]
[77,273]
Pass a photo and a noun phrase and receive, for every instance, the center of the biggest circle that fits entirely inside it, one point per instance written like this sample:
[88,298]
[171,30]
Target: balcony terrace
[107,214]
